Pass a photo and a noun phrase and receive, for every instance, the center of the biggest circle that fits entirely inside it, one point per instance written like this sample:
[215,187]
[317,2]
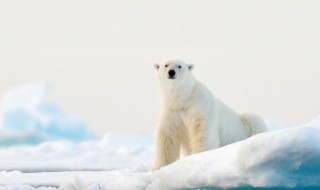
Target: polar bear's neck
[175,95]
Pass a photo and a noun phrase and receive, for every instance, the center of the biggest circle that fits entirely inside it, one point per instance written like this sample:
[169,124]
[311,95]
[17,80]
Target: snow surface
[26,116]
[112,151]
[50,149]
[287,157]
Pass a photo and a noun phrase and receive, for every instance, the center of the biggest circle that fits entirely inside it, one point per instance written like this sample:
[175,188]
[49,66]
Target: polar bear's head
[175,70]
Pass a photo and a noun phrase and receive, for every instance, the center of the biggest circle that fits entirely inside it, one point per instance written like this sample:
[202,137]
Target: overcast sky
[256,56]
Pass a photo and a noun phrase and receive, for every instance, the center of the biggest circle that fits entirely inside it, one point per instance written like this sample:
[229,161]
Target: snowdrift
[285,158]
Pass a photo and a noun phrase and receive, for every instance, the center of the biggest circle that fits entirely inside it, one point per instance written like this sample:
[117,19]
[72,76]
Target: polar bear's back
[221,118]
[231,127]
[235,127]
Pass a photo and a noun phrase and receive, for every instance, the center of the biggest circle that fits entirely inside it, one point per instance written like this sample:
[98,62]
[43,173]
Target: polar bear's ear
[156,66]
[190,67]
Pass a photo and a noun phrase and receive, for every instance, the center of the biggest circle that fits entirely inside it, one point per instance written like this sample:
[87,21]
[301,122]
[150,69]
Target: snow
[286,158]
[50,149]
[26,116]
[112,151]
[283,158]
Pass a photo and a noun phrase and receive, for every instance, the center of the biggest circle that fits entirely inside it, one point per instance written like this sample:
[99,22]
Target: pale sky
[256,56]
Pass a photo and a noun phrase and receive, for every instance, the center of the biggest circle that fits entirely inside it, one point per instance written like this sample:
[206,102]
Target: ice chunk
[27,113]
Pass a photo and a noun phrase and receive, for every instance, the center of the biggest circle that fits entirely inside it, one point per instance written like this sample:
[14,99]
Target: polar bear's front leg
[167,142]
[198,132]
[197,137]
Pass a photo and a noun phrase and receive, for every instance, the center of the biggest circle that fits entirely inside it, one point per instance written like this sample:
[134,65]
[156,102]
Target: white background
[256,56]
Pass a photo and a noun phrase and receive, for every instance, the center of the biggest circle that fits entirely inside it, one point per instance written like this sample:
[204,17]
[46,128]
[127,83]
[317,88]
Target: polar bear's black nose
[171,73]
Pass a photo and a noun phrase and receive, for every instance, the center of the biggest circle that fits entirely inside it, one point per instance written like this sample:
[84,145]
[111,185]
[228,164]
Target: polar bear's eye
[166,65]
[179,66]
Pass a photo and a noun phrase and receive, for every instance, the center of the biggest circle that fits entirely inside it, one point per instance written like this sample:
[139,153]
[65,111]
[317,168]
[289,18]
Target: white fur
[192,119]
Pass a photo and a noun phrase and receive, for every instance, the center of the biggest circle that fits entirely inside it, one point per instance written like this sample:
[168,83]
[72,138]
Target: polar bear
[192,119]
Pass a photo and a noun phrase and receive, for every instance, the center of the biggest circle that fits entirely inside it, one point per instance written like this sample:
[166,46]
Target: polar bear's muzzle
[171,74]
